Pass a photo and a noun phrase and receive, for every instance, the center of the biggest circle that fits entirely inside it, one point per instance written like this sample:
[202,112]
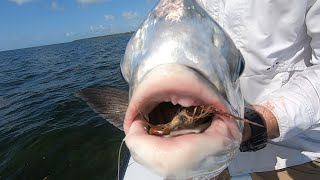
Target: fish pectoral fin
[110,103]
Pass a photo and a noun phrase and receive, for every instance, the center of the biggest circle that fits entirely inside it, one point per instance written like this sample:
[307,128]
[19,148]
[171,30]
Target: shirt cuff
[292,107]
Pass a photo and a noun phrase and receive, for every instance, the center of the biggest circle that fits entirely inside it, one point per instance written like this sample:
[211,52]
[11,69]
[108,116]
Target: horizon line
[81,39]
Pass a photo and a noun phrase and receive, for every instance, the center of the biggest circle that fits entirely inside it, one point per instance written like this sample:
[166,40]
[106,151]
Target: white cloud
[130,15]
[20,2]
[69,34]
[56,7]
[109,17]
[92,1]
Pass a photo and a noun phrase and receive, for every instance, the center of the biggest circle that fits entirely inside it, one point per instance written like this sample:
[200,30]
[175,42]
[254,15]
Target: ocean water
[46,132]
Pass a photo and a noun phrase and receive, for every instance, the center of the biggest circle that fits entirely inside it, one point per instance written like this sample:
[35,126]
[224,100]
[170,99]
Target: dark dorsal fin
[110,103]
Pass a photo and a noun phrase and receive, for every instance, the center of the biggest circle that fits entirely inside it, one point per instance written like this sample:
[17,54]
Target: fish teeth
[174,100]
[186,102]
[183,101]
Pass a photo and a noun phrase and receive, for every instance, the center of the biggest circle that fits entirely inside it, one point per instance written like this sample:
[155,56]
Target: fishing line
[119,155]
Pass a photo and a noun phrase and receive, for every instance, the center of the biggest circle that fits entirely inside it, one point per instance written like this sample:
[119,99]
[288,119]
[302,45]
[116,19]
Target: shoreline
[108,35]
[82,39]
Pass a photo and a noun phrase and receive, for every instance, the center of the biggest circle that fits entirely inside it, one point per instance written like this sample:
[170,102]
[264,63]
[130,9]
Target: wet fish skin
[181,32]
[178,54]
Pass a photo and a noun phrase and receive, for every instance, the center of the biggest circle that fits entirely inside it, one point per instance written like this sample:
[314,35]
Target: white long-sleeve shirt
[280,42]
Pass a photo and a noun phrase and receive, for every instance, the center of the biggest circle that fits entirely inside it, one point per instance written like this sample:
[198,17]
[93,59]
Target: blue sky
[28,23]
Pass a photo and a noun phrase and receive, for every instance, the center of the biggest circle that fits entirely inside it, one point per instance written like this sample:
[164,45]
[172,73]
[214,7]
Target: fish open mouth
[159,96]
[170,120]
[167,89]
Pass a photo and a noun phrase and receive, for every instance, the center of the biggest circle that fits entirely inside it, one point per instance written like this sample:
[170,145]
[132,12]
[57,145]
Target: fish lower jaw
[183,156]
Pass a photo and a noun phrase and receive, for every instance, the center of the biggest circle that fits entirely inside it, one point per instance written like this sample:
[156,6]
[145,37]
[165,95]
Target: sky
[29,23]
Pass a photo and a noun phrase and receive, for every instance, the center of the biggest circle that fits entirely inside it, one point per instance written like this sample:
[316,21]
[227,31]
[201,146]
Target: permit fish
[178,58]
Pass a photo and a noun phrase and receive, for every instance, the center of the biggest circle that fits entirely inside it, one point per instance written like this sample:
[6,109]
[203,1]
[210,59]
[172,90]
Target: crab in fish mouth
[172,120]
[194,119]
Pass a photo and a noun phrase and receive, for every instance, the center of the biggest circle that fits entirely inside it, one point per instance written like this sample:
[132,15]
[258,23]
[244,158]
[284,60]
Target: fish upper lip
[164,84]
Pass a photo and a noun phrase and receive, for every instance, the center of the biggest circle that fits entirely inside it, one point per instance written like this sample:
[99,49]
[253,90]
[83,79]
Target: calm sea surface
[45,131]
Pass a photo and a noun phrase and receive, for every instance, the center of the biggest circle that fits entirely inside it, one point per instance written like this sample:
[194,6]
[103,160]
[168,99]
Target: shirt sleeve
[297,104]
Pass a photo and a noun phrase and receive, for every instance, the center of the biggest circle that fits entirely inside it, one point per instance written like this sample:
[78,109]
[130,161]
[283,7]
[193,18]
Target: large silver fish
[178,57]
